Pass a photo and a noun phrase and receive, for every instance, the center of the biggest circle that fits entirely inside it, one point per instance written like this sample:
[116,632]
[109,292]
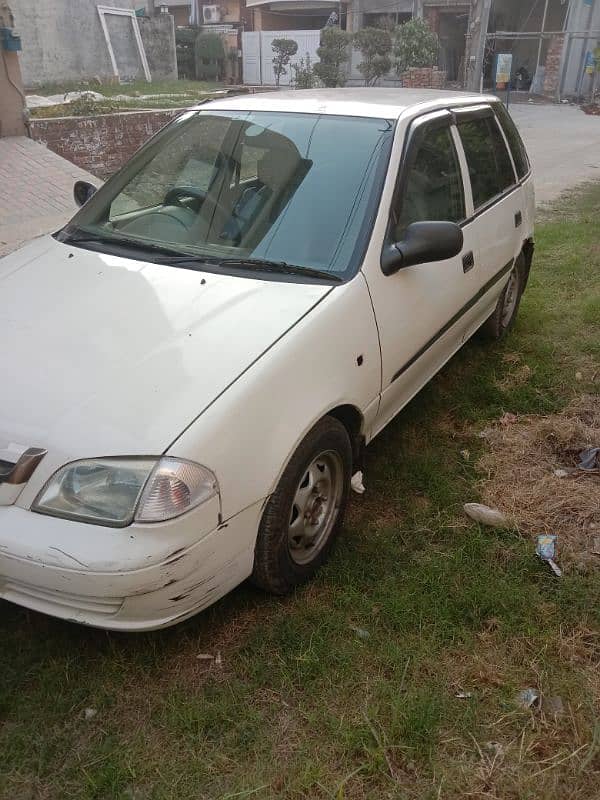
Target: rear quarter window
[488,160]
[517,148]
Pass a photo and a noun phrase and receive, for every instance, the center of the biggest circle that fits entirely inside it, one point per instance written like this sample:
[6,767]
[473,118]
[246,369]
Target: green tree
[596,73]
[375,46]
[415,45]
[283,50]
[333,54]
[209,56]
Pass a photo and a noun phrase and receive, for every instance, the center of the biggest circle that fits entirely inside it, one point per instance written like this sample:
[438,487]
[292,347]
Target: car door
[420,309]
[498,211]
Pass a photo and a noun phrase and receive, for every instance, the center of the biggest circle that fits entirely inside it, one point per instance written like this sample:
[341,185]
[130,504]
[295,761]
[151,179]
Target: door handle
[468,261]
[518,219]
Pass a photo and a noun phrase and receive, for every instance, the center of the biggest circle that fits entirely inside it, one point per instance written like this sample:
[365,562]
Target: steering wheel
[175,195]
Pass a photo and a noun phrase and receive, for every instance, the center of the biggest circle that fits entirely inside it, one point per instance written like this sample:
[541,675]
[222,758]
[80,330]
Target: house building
[66,41]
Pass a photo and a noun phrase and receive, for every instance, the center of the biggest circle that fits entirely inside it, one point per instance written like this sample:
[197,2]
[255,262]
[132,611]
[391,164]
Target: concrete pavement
[36,191]
[563,144]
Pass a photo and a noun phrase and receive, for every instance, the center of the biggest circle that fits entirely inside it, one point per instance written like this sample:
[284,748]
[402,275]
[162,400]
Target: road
[563,144]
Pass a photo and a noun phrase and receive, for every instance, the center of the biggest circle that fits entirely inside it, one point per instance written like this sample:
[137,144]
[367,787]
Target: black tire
[501,322]
[275,566]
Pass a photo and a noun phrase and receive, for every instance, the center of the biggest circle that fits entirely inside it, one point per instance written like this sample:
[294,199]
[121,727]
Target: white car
[192,367]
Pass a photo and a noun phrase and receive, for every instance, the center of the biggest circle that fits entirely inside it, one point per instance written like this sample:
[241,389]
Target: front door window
[433,187]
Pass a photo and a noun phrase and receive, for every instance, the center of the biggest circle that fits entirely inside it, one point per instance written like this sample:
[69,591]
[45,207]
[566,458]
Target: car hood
[107,355]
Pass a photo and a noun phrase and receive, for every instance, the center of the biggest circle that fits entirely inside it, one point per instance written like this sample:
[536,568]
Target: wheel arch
[527,252]
[352,419]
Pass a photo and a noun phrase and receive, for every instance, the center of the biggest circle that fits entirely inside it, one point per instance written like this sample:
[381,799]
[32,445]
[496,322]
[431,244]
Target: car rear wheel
[305,511]
[508,303]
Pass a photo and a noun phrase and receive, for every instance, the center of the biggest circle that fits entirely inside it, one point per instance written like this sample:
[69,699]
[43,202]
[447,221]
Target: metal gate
[257,54]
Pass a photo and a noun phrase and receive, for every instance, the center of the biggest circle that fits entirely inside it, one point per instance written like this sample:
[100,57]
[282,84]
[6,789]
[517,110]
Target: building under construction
[552,42]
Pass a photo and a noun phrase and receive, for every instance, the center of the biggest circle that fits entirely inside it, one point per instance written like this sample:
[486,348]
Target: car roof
[356,102]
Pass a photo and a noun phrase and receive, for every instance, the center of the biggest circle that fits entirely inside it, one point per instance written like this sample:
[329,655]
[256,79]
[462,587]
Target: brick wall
[103,143]
[552,74]
[424,78]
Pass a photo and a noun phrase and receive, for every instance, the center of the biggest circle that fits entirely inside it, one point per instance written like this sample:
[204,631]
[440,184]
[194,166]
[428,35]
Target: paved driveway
[36,185]
[36,191]
[563,144]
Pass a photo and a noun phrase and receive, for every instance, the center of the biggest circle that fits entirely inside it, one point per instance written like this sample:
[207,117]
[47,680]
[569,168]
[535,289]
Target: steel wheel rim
[315,506]
[511,295]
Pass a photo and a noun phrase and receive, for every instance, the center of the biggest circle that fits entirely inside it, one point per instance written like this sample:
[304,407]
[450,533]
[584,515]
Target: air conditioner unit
[211,14]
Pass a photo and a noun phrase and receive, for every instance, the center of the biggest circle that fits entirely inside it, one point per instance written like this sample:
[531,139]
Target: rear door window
[488,160]
[514,140]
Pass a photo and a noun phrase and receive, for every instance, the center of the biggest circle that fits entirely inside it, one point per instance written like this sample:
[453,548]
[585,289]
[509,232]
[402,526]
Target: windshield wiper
[282,267]
[91,237]
[168,256]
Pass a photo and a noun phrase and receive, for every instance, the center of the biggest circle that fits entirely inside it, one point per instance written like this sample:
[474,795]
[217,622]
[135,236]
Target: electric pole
[475,80]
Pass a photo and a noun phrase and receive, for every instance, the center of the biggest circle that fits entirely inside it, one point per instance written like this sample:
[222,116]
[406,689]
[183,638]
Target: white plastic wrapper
[486,515]
[356,483]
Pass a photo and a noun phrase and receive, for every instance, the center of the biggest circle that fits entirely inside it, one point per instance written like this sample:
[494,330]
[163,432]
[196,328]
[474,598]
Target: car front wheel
[306,510]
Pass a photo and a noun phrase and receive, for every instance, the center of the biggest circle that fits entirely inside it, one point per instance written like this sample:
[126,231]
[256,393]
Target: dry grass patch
[520,476]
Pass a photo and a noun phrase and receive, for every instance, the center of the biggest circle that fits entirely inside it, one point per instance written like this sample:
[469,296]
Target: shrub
[209,56]
[375,46]
[415,45]
[185,39]
[304,73]
[333,54]
[283,50]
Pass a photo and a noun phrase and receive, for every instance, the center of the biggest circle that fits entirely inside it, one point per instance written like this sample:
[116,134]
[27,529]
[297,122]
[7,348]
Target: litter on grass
[546,550]
[546,546]
[519,477]
[527,698]
[486,515]
[589,459]
[356,483]
[360,632]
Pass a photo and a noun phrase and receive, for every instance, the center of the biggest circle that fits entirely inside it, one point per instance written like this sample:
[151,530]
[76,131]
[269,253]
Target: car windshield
[247,188]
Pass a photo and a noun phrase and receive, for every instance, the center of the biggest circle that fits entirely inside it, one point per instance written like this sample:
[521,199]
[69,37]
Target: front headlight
[117,491]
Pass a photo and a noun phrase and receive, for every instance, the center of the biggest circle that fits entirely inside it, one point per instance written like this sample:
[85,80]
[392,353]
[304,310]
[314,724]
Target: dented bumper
[169,575]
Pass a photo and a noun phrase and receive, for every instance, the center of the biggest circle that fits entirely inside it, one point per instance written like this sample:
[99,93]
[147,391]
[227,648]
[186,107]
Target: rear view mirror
[82,191]
[423,242]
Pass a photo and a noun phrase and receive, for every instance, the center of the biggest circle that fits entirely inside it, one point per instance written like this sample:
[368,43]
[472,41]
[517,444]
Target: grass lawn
[305,703]
[173,94]
[139,87]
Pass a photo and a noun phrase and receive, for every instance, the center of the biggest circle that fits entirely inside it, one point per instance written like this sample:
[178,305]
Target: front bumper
[169,589]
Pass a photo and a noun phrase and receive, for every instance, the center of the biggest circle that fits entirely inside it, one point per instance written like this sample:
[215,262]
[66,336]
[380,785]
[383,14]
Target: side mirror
[82,191]
[423,242]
